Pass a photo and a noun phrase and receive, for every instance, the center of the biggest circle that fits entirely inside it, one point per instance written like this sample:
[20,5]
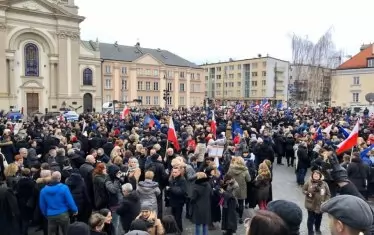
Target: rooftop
[233,61]
[360,60]
[114,51]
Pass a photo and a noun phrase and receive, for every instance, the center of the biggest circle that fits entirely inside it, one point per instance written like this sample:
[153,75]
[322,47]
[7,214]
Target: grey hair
[23,150]
[127,187]
[61,151]
[71,152]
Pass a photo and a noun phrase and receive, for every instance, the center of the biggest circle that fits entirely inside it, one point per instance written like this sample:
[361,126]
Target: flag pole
[166,150]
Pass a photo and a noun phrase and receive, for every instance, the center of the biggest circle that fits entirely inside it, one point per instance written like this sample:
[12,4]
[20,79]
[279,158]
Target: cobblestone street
[284,187]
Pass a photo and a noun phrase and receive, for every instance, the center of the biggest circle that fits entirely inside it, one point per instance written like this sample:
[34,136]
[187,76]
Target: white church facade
[43,63]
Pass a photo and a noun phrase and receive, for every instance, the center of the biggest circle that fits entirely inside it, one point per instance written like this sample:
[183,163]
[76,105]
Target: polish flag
[172,135]
[213,125]
[350,142]
[125,112]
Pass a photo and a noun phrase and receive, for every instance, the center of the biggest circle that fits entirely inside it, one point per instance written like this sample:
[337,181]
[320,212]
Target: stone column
[4,88]
[52,80]
[12,84]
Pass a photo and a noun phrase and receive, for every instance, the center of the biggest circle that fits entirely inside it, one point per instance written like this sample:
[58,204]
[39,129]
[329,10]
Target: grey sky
[216,30]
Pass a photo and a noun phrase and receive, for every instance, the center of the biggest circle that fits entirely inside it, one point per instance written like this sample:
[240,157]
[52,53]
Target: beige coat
[315,194]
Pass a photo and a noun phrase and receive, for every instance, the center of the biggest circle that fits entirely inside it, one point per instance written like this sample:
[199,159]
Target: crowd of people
[107,174]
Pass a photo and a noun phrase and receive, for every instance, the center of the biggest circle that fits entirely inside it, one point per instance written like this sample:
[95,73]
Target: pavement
[284,187]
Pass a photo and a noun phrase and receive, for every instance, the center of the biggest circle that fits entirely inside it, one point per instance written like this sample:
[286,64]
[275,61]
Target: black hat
[290,212]
[350,210]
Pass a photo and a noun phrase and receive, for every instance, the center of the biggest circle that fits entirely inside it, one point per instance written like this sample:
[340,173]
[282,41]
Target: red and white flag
[125,112]
[213,125]
[172,135]
[350,142]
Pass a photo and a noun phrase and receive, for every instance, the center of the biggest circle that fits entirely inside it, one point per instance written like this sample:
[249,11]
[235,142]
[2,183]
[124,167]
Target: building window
[218,77]
[198,76]
[254,74]
[140,98]
[181,87]
[140,86]
[264,73]
[170,74]
[170,86]
[181,100]
[264,64]
[355,97]
[181,74]
[124,70]
[254,83]
[207,78]
[31,60]
[239,75]
[155,86]
[148,72]
[87,77]
[124,84]
[169,100]
[192,76]
[231,67]
[195,87]
[108,69]
[155,73]
[147,100]
[218,69]
[263,82]
[356,80]
[239,66]
[155,100]
[108,98]
[139,71]
[147,86]
[108,83]
[239,84]
[231,75]
[371,63]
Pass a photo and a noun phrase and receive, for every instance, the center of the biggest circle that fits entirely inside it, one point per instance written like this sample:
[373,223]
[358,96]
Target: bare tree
[312,65]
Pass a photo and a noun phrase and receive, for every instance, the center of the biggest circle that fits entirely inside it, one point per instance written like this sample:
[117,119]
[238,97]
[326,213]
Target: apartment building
[249,79]
[133,72]
[310,85]
[353,79]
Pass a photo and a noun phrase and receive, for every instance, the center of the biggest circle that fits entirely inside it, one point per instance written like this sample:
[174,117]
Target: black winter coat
[303,158]
[200,201]
[79,192]
[159,170]
[101,199]
[129,210]
[26,197]
[9,213]
[229,214]
[358,174]
[177,191]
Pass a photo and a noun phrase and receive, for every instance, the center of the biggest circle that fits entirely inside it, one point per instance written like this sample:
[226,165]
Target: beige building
[43,62]
[249,79]
[353,79]
[133,72]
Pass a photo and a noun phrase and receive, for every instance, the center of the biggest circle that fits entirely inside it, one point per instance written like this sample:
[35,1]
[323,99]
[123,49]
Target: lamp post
[166,91]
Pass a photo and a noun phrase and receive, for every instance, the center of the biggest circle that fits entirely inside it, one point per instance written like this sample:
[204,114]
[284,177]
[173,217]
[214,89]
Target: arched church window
[87,77]
[31,60]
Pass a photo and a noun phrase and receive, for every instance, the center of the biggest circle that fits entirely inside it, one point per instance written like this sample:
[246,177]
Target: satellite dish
[369,98]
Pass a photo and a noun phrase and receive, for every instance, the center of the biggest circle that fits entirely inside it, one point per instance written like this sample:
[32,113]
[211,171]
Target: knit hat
[290,212]
[146,206]
[78,228]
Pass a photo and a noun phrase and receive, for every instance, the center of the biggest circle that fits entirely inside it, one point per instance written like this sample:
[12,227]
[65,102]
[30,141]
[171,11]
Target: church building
[44,65]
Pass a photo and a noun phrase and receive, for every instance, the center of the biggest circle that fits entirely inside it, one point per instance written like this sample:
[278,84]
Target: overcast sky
[216,30]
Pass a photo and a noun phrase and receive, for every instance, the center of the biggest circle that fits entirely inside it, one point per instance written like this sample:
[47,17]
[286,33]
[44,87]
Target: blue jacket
[56,199]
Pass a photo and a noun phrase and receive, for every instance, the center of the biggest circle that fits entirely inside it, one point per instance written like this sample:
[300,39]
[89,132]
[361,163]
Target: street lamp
[166,92]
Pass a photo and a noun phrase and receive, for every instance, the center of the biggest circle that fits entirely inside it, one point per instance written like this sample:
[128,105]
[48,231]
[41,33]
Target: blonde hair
[96,220]
[263,170]
[11,170]
[117,160]
[149,175]
[200,175]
